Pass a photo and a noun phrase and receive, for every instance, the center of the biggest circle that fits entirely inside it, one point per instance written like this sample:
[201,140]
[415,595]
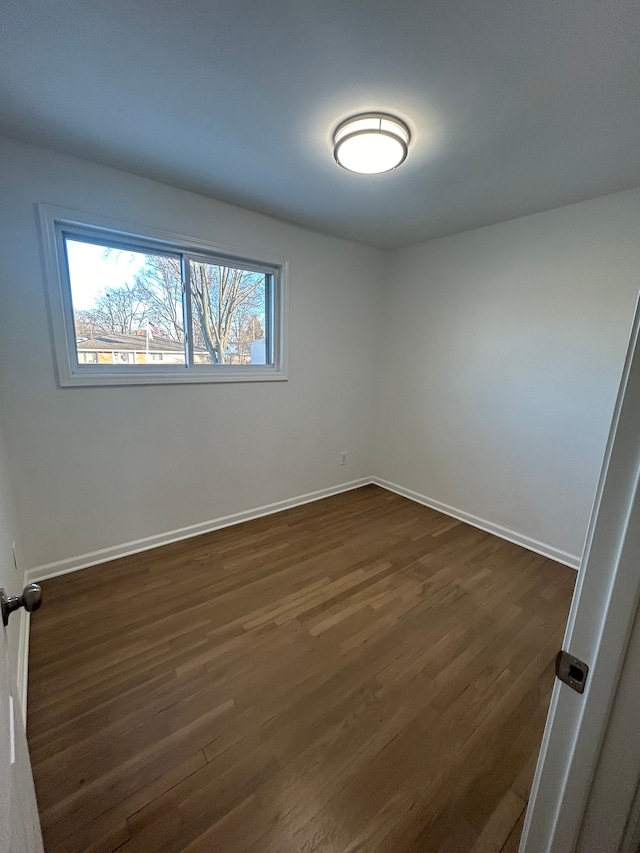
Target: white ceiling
[515,106]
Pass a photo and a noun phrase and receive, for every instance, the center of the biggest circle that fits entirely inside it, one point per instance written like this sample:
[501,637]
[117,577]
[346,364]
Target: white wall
[501,352]
[97,467]
[494,356]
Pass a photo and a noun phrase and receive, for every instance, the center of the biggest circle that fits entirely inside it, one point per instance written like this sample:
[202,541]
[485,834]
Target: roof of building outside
[107,342]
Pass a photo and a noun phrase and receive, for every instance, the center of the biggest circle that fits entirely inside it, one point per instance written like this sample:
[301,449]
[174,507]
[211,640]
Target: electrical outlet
[343,457]
[15,559]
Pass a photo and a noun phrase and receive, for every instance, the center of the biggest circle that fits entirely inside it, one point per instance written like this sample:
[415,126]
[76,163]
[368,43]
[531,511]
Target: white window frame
[54,221]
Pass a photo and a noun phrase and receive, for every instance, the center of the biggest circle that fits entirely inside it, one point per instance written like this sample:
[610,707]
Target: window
[140,306]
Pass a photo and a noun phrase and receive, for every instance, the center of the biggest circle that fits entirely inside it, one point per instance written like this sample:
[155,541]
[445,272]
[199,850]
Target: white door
[19,822]
[600,625]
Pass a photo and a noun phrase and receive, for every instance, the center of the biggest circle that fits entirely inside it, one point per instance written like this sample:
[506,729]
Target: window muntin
[169,338]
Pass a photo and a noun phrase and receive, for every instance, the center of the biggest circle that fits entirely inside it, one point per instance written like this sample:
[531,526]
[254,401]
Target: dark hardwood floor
[357,674]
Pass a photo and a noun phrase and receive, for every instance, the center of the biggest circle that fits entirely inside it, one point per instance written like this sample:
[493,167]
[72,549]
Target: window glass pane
[127,305]
[229,314]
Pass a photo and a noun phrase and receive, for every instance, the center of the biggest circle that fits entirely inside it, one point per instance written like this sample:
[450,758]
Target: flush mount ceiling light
[371,143]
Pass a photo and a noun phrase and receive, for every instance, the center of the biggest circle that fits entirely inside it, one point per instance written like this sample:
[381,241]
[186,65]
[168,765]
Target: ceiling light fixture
[371,143]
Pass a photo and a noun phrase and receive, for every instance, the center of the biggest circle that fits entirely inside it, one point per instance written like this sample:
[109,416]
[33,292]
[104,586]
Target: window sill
[161,376]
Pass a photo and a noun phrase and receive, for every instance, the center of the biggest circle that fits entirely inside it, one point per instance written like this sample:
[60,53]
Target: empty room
[319,405]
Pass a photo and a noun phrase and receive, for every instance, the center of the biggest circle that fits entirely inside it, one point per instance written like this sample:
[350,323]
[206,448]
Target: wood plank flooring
[357,674]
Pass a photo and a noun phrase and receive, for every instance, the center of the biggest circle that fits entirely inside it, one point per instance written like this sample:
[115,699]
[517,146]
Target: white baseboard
[93,558]
[552,553]
[73,564]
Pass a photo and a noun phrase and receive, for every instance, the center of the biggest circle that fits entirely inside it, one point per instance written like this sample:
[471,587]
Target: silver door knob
[31,599]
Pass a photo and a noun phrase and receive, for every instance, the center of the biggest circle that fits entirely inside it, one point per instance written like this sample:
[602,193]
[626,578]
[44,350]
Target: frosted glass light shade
[371,143]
